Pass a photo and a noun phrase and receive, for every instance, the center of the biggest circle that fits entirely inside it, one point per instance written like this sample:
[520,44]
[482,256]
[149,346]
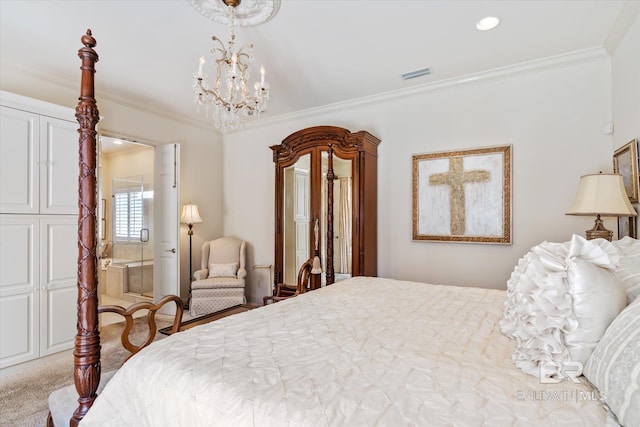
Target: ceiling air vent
[416,73]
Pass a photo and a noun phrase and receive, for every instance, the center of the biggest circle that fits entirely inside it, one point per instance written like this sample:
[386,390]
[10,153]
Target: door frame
[162,284]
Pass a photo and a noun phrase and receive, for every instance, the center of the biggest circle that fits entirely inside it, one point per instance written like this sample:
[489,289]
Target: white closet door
[19,154]
[166,188]
[59,172]
[58,278]
[19,303]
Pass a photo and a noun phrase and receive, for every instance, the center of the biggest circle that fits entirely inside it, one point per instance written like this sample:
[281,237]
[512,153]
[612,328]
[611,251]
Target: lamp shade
[190,214]
[601,194]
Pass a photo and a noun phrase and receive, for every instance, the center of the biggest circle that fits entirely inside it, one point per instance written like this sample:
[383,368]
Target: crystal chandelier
[230,98]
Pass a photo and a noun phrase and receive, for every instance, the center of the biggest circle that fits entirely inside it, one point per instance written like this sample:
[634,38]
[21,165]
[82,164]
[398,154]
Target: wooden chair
[64,401]
[284,291]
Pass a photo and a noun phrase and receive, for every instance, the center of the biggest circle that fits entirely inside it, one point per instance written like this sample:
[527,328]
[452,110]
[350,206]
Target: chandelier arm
[229,105]
[241,51]
[221,101]
[221,49]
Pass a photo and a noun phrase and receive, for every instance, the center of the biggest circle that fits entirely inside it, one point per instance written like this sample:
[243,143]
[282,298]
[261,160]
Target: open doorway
[126,226]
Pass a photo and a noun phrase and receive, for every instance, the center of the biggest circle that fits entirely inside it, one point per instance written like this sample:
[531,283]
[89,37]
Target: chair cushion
[210,304]
[64,401]
[218,282]
[228,269]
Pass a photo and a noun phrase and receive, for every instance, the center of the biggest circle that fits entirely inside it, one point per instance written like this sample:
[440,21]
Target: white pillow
[229,269]
[560,300]
[614,366]
[598,297]
[629,269]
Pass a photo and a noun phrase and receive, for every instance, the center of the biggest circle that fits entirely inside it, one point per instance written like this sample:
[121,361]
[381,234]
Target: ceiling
[316,52]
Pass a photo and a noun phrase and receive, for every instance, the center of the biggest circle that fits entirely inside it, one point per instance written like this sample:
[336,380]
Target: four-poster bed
[87,343]
[363,351]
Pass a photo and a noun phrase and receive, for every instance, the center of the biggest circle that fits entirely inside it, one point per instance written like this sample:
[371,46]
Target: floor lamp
[190,216]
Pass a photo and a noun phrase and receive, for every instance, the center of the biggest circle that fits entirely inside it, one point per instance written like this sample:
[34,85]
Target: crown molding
[554,62]
[536,66]
[628,15]
[112,95]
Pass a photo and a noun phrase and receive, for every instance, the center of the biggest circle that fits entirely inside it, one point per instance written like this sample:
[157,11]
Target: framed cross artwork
[463,196]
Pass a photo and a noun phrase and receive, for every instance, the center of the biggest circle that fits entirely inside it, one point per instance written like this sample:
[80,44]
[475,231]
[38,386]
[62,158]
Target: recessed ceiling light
[488,23]
[118,142]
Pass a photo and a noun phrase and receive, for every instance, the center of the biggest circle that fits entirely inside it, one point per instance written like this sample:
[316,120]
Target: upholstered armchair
[220,282]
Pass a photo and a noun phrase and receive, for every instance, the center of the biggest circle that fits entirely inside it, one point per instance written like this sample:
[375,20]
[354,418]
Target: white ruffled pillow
[560,300]
[628,271]
[229,269]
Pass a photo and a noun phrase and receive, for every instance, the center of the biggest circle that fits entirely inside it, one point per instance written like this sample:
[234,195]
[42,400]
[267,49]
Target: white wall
[201,150]
[552,116]
[625,65]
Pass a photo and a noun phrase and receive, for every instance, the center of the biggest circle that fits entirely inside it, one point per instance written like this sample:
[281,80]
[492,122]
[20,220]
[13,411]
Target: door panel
[59,166]
[19,171]
[166,270]
[301,203]
[19,303]
[58,296]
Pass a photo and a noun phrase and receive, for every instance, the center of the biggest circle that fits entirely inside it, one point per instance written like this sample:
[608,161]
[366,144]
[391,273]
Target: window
[127,222]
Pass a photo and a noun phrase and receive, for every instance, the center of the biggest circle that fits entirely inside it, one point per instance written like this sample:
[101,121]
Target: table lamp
[601,194]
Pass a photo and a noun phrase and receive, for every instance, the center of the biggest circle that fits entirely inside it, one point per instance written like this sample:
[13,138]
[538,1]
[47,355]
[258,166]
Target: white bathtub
[124,278]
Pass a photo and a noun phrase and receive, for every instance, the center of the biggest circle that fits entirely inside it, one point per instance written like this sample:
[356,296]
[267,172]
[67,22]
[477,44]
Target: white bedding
[362,352]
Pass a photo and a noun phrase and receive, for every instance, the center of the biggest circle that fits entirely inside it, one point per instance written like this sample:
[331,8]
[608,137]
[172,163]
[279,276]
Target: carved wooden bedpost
[330,177]
[87,343]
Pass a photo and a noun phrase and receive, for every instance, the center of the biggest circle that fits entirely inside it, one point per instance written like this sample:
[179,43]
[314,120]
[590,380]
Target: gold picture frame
[625,162]
[627,226]
[463,196]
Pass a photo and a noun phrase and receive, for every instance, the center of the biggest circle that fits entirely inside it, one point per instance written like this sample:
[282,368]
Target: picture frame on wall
[628,226]
[625,162]
[463,196]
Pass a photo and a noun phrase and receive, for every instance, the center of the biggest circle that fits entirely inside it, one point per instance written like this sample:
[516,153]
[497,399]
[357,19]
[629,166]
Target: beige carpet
[24,394]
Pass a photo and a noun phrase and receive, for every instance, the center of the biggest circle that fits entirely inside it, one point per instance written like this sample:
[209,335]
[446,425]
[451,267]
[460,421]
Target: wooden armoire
[303,163]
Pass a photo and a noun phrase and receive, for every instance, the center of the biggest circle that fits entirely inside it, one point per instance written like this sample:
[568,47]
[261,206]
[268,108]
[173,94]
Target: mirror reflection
[342,216]
[297,217]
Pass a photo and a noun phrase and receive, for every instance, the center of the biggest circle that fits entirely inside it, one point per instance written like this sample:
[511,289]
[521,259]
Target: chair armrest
[242,273]
[284,290]
[128,313]
[200,274]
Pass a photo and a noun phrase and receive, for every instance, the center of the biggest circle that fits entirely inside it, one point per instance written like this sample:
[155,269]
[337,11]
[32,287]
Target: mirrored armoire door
[346,213]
